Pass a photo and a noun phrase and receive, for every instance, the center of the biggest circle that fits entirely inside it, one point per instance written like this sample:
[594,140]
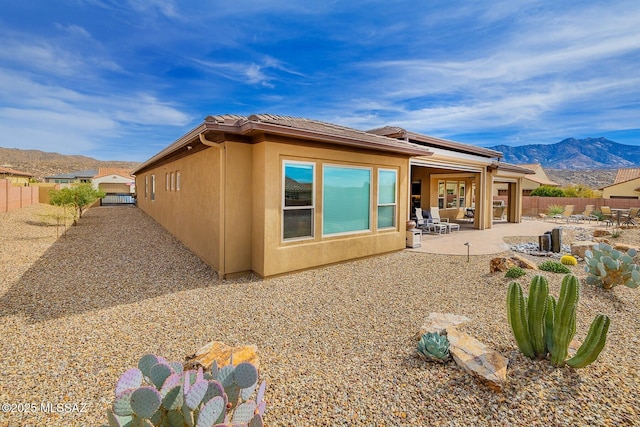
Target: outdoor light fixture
[468,245]
[189,147]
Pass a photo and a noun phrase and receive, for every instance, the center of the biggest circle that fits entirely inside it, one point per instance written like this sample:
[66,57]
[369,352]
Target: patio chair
[428,224]
[587,215]
[435,217]
[631,217]
[568,211]
[607,215]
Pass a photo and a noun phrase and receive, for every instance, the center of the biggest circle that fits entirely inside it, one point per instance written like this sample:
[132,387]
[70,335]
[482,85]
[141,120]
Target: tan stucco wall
[192,214]
[624,189]
[283,256]
[114,188]
[229,208]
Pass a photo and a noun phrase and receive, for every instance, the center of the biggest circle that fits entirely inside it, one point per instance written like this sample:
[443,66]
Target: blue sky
[122,79]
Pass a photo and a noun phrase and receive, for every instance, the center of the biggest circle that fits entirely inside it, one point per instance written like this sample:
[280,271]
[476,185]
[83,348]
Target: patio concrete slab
[489,241]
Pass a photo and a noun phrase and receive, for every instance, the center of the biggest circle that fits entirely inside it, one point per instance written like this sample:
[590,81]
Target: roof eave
[251,127]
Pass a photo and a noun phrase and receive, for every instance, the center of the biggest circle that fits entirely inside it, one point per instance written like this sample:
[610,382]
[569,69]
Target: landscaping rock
[440,322]
[623,247]
[221,353]
[505,263]
[599,232]
[579,248]
[486,365]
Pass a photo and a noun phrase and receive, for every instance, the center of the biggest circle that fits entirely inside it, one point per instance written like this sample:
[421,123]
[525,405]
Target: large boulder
[221,353]
[486,365]
[504,263]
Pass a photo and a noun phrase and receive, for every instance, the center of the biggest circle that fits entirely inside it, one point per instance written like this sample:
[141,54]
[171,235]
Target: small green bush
[515,272]
[554,267]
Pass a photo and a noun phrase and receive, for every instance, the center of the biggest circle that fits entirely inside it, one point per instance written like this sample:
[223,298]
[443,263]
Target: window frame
[177,180]
[311,207]
[153,187]
[324,195]
[394,204]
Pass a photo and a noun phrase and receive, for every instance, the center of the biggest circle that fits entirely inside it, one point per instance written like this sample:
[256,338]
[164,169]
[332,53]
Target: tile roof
[125,173]
[315,129]
[75,175]
[627,174]
[430,141]
[9,171]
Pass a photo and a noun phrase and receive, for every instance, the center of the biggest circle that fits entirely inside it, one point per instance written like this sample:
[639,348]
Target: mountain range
[41,163]
[571,153]
[591,161]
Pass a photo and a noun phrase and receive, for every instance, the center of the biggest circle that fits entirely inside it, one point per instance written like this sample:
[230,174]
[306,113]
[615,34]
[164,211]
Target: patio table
[618,213]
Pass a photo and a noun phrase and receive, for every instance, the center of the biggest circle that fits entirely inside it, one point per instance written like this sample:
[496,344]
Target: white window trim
[347,233]
[177,180]
[312,207]
[395,202]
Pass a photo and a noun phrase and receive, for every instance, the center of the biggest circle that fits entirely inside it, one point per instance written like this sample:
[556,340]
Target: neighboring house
[114,181]
[530,182]
[109,180]
[626,185]
[273,194]
[15,177]
[66,179]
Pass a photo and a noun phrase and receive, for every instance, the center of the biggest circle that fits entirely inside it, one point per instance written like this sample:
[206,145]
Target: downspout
[223,188]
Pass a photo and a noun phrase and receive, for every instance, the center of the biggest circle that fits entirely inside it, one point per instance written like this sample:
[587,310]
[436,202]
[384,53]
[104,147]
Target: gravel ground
[335,343]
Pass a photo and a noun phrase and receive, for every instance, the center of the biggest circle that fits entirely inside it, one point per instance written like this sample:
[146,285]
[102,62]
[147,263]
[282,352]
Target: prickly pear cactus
[608,267]
[434,346]
[162,393]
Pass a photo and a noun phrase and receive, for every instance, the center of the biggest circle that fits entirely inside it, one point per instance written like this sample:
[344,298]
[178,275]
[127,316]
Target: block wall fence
[532,206]
[14,197]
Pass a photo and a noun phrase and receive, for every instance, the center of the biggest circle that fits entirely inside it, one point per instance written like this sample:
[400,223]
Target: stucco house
[530,182]
[625,186]
[15,177]
[109,180]
[275,194]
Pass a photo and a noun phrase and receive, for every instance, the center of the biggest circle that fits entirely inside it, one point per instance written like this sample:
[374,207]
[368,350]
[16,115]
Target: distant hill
[41,163]
[571,153]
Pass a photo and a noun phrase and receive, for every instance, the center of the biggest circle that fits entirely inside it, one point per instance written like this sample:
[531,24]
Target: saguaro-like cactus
[542,326]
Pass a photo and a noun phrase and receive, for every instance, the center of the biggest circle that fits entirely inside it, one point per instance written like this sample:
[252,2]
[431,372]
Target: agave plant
[434,346]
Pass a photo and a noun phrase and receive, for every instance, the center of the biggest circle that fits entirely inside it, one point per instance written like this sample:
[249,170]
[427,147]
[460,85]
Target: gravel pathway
[335,343]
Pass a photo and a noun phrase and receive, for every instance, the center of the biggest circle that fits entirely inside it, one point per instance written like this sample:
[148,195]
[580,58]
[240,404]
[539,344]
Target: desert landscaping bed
[336,344]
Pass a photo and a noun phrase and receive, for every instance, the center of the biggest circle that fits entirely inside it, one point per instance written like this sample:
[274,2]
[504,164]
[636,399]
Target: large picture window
[387,201]
[346,206]
[298,200]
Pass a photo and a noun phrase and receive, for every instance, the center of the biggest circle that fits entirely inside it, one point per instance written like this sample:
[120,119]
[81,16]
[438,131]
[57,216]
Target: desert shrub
[515,272]
[578,190]
[554,210]
[554,267]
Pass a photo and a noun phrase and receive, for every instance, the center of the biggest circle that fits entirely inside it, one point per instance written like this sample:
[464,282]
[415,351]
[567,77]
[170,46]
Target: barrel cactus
[608,267]
[434,346]
[568,260]
[162,393]
[545,327]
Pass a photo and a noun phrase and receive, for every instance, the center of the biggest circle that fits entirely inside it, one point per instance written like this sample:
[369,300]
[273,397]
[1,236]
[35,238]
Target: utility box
[414,238]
